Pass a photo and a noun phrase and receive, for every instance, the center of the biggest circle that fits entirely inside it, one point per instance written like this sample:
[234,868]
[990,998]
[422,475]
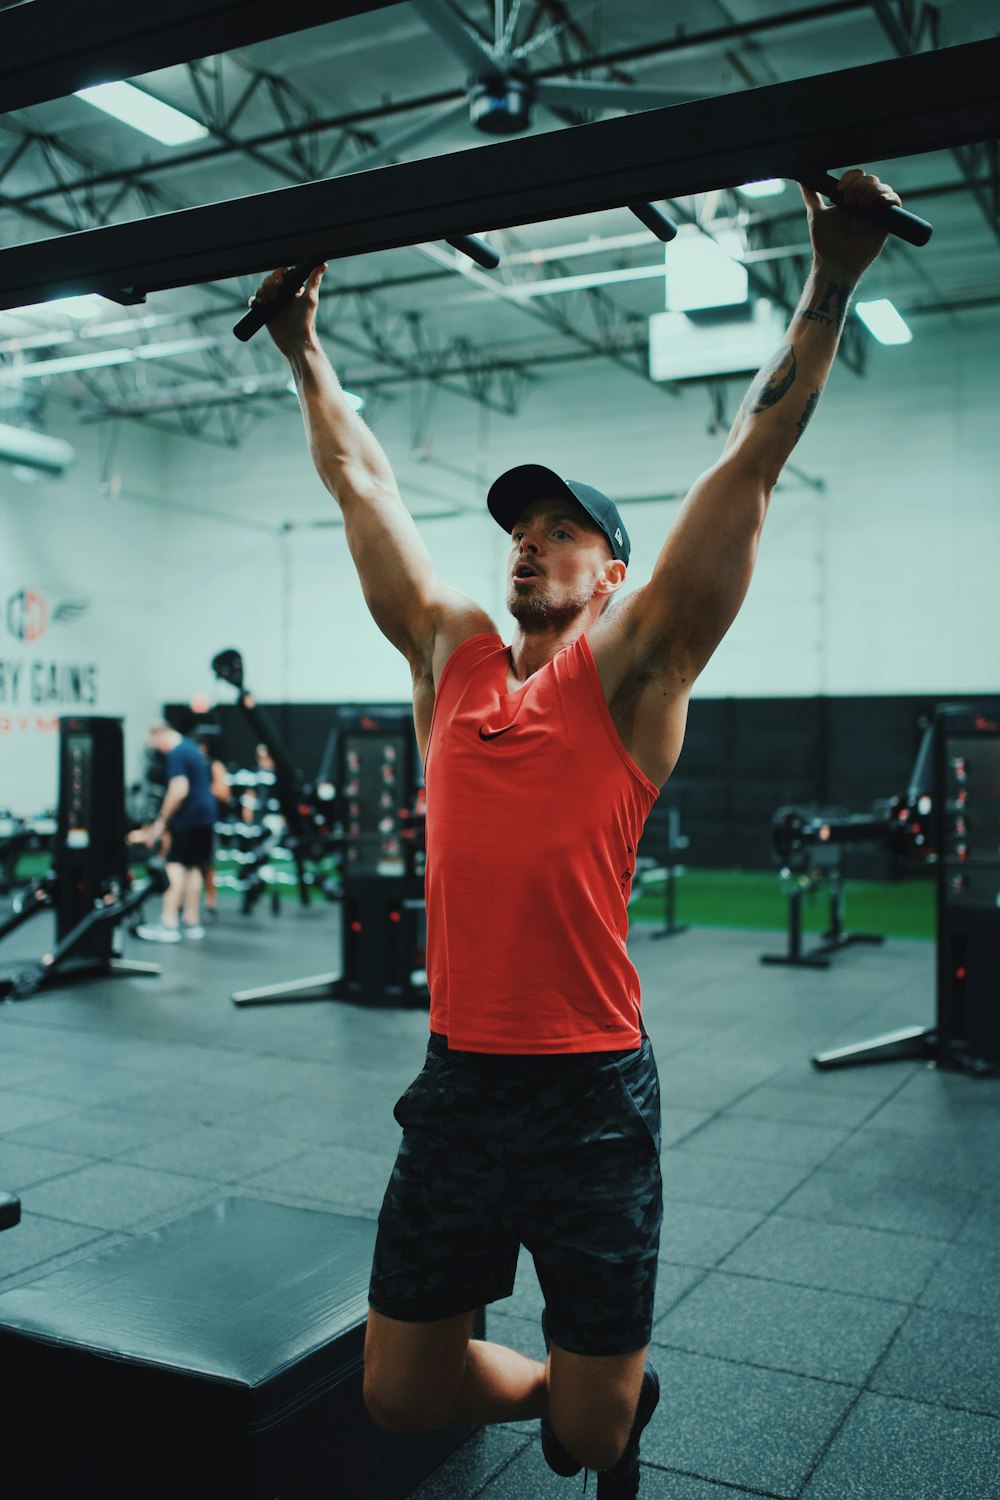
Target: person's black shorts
[558,1153]
[191,847]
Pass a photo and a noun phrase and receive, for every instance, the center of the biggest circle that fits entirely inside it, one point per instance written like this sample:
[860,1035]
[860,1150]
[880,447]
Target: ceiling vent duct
[35,450]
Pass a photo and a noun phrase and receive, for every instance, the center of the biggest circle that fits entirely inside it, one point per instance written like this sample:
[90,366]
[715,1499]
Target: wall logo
[27,614]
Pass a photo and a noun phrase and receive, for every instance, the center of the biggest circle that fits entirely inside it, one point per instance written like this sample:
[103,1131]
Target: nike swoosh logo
[492,734]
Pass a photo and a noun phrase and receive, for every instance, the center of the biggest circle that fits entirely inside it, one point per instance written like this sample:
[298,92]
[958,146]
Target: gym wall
[881,582]
[82,623]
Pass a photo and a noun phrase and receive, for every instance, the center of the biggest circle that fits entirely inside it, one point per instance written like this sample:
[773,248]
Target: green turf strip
[750,899]
[754,899]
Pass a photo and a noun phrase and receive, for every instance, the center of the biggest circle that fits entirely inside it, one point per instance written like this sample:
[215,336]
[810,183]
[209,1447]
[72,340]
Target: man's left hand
[841,241]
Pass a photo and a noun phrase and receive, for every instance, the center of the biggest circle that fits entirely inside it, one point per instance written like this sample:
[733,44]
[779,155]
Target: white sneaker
[192,934]
[157,932]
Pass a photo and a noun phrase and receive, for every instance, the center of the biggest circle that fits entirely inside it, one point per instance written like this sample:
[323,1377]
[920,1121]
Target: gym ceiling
[371,105]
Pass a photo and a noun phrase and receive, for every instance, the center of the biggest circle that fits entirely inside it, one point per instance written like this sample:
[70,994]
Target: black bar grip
[262,312]
[647,213]
[476,250]
[897,221]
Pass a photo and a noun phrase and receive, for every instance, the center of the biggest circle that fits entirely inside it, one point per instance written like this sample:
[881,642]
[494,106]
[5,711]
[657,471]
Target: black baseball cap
[518,487]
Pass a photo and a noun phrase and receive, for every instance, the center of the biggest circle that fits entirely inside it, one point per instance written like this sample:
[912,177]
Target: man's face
[557,556]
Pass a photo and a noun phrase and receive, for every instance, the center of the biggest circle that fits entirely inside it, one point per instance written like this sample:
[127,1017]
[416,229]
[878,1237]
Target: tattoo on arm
[772,383]
[810,407]
[831,310]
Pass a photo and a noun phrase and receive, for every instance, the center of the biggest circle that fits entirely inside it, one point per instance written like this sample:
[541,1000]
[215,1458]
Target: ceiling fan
[502,92]
[502,89]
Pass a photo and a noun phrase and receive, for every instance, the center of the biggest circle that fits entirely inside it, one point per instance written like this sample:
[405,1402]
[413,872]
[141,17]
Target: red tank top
[534,811]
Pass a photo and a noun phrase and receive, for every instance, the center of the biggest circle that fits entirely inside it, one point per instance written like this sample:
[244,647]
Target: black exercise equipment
[900,107]
[218,1356]
[18,837]
[374,763]
[10,1210]
[807,843]
[965,758]
[90,886]
[661,844]
[296,277]
[308,831]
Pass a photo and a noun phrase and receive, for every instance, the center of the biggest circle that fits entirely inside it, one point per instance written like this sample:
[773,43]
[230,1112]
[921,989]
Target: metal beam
[50,48]
[902,107]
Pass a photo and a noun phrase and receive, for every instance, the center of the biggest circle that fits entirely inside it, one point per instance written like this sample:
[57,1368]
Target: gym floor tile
[804,1106]
[19,1109]
[468,1471]
[873,1081]
[725,1182]
[892,1203]
[967,1280]
[673,1283]
[36,1240]
[344,1178]
[945,1358]
[837,1258]
[697,1234]
[110,1195]
[765,1140]
[505,1324]
[982,1227]
[927,1159]
[906,1450]
[797,1329]
[940,1118]
[212,1151]
[678,1123]
[756,1428]
[24,1166]
[102,1131]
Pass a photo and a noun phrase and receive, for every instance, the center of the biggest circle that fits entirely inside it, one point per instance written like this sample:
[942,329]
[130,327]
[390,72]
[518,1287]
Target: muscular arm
[412,608]
[704,570]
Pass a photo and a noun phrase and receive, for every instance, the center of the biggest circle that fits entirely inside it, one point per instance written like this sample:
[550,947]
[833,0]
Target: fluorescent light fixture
[883,321]
[13,374]
[581,283]
[705,272]
[768,187]
[679,349]
[354,401]
[140,110]
[86,306]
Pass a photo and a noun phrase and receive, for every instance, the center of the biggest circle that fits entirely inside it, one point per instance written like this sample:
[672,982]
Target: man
[188,815]
[536,1117]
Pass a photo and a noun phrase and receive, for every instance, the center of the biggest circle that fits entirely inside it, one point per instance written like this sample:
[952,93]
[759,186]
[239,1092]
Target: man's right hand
[293,327]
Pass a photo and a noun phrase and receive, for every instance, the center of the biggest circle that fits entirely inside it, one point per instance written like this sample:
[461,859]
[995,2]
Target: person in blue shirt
[187,816]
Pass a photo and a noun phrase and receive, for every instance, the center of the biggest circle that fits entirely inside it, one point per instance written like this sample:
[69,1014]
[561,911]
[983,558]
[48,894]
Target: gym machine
[18,837]
[963,751]
[661,843]
[372,759]
[308,834]
[807,845]
[89,886]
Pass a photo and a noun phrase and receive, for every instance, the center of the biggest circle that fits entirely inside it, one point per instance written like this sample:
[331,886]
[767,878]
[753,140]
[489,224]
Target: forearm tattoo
[831,309]
[803,421]
[772,383]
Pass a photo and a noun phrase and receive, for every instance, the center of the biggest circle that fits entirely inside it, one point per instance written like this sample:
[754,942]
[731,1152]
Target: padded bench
[219,1357]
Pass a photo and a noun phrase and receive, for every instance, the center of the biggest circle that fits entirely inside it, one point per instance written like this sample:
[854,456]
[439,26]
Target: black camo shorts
[558,1153]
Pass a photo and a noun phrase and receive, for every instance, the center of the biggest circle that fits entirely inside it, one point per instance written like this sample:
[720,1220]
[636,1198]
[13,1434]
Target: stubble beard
[536,614]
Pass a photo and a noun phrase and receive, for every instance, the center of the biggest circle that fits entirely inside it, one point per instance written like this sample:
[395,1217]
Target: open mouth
[523,573]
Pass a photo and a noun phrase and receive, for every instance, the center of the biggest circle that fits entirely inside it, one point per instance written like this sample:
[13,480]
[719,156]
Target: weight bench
[216,1358]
